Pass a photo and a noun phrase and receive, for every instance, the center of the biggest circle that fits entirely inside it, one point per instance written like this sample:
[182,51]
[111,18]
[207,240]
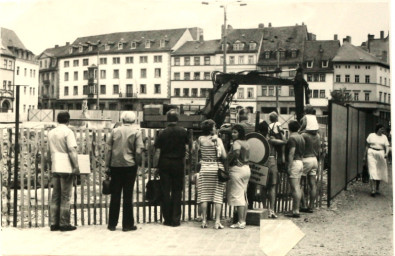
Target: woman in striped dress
[211,151]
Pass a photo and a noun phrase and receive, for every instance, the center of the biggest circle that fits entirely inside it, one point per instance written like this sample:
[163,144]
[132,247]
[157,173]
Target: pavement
[149,239]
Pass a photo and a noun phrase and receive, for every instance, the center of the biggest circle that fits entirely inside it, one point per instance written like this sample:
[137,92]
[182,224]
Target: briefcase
[153,192]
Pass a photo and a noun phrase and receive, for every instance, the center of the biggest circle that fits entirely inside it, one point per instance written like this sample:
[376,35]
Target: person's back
[61,139]
[126,140]
[244,155]
[172,141]
[312,145]
[297,141]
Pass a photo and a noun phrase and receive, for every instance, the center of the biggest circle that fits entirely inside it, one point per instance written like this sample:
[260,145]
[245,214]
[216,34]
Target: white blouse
[377,142]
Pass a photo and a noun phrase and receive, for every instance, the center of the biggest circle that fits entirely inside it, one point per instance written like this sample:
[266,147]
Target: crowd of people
[298,155]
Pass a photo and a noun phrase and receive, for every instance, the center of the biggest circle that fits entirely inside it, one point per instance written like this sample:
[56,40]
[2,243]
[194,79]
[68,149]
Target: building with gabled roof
[379,47]
[19,68]
[364,77]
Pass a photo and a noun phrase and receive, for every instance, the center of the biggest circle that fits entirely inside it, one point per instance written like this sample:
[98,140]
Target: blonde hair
[128,117]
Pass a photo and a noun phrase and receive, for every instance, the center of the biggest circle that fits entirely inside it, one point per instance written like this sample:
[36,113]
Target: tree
[341,96]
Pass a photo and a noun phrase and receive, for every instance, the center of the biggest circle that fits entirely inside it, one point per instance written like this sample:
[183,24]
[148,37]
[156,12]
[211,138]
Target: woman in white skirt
[377,152]
[239,175]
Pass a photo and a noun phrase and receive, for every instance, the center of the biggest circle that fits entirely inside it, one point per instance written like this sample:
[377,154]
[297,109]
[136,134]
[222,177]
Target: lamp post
[98,74]
[225,36]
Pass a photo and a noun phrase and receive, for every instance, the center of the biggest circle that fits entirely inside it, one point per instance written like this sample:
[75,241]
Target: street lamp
[224,6]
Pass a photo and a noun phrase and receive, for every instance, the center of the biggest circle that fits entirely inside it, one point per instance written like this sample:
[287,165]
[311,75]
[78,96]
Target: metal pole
[225,39]
[278,66]
[97,85]
[16,155]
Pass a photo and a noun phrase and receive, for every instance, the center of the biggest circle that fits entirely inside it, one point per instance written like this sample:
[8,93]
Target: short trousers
[296,169]
[310,166]
[272,175]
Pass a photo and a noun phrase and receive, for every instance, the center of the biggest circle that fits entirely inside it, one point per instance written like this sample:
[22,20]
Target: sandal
[238,225]
[204,224]
[218,225]
[272,215]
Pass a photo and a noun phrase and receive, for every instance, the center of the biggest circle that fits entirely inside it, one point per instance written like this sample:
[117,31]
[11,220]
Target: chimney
[67,43]
[335,37]
[261,25]
[302,23]
[270,24]
[201,38]
[349,39]
[370,37]
[56,45]
[381,34]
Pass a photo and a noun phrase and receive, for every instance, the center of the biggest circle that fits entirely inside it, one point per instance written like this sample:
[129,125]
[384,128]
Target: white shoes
[238,225]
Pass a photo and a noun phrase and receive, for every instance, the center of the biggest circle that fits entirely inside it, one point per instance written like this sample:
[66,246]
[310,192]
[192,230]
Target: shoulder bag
[223,174]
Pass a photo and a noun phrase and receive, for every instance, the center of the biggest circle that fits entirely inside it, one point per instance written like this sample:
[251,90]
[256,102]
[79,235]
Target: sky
[42,24]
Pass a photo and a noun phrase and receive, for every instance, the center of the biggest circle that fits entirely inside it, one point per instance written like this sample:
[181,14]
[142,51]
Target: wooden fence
[88,205]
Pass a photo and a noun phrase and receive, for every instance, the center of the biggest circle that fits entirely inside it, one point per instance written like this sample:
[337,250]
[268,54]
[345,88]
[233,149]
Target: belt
[376,149]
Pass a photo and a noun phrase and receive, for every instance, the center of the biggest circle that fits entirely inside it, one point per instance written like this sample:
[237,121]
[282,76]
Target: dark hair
[172,116]
[263,128]
[293,126]
[243,115]
[207,126]
[378,127]
[240,129]
[63,117]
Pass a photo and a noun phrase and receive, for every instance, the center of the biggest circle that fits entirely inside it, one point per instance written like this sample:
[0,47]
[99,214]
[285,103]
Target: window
[264,90]
[196,61]
[115,73]
[309,64]
[385,97]
[267,55]
[324,63]
[250,93]
[194,92]
[356,96]
[103,61]
[207,60]
[367,79]
[367,67]
[177,61]
[282,54]
[115,89]
[66,76]
[129,73]
[90,48]
[85,90]
[129,60]
[187,61]
[357,67]
[147,43]
[238,46]
[250,59]
[232,60]
[240,93]
[187,76]
[116,60]
[66,91]
[176,75]
[291,91]
[75,63]
[120,46]
[157,73]
[75,90]
[24,90]
[316,77]
[80,48]
[102,74]
[252,46]
[177,92]
[315,93]
[133,45]
[85,75]
[17,71]
[162,43]
[107,47]
[309,77]
[338,78]
[25,73]
[356,78]
[271,90]
[206,75]
[157,88]
[385,81]
[66,64]
[221,60]
[143,73]
[380,95]
[241,59]
[158,59]
[322,94]
[293,54]
[5,85]
[367,96]
[5,64]
[31,73]
[196,76]
[347,66]
[381,80]
[75,75]
[347,79]
[85,62]
[389,97]
[143,59]
[129,90]
[322,77]
[186,92]
[24,108]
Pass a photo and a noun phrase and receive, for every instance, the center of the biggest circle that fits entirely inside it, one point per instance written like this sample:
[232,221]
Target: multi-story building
[318,71]
[7,61]
[49,76]
[379,47]
[129,69]
[364,77]
[25,69]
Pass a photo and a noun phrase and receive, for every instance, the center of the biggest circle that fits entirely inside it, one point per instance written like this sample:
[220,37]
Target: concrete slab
[278,237]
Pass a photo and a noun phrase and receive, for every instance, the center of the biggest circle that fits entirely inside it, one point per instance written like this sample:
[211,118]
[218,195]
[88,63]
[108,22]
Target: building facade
[378,47]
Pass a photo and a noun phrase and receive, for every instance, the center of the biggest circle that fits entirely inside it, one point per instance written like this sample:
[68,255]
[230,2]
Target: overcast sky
[41,24]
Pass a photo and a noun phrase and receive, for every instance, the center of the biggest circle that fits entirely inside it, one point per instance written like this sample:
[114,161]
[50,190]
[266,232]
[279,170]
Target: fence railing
[88,205]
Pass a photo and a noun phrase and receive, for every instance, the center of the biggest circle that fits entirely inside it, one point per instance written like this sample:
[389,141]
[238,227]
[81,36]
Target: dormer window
[293,54]
[80,49]
[162,43]
[238,46]
[282,54]
[71,50]
[133,45]
[147,44]
[90,48]
[267,55]
[252,46]
[120,46]
[309,64]
[227,47]
[107,47]
[324,63]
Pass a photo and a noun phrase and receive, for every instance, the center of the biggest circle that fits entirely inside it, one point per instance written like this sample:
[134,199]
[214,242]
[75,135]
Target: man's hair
[63,117]
[378,127]
[207,126]
[240,129]
[273,117]
[243,115]
[263,128]
[293,126]
[172,116]
[128,117]
[308,109]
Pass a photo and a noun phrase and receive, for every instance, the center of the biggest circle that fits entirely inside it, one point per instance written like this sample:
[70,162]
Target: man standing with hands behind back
[61,140]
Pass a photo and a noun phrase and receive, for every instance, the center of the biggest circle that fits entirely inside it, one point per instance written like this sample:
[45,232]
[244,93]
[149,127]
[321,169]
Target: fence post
[328,199]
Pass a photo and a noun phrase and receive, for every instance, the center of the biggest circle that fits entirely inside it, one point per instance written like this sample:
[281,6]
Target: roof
[10,39]
[286,38]
[244,35]
[319,50]
[198,48]
[55,52]
[4,50]
[351,53]
[171,37]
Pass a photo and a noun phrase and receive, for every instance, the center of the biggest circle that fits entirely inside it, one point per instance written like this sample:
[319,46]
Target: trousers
[60,202]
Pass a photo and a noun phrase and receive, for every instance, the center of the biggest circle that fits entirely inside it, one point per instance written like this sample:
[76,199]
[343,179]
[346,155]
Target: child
[309,121]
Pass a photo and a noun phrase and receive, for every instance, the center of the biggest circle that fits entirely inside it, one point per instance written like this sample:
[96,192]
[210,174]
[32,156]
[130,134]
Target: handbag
[106,189]
[153,192]
[365,174]
[223,174]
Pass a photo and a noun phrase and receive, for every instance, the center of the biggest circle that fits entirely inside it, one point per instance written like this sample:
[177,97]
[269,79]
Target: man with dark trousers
[170,147]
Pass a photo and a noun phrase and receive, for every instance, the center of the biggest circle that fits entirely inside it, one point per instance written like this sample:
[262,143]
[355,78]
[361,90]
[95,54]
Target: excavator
[224,87]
